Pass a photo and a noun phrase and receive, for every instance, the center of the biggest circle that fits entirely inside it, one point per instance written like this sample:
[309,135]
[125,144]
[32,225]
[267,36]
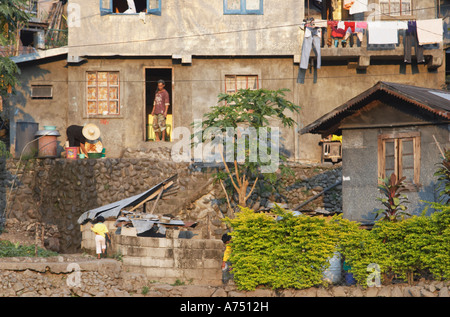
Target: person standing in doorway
[159,112]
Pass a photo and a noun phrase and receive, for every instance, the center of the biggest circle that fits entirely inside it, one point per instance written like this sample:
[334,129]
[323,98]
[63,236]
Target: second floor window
[130,6]
[395,7]
[243,7]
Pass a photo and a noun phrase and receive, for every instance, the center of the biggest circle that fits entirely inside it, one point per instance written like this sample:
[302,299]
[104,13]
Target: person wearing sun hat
[83,136]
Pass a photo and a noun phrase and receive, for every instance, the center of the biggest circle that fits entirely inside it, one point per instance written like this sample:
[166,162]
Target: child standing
[100,231]
[226,264]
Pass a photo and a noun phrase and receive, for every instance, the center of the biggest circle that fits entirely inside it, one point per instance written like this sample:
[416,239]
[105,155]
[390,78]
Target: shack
[389,128]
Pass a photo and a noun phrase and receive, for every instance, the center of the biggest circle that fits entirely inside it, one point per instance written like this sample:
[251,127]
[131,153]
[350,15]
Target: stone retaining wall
[55,192]
[53,277]
[58,191]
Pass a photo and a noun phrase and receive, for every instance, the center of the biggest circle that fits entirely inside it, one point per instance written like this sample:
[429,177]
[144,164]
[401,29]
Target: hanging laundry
[430,31]
[409,40]
[383,32]
[402,25]
[320,23]
[359,6]
[349,25]
[348,4]
[311,40]
[360,28]
[349,29]
[337,29]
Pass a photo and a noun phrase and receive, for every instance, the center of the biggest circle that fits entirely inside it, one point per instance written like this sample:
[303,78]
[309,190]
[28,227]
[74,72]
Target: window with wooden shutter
[399,153]
[243,7]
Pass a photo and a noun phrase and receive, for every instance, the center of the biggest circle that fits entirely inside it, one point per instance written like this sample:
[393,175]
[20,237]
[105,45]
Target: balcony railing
[354,49]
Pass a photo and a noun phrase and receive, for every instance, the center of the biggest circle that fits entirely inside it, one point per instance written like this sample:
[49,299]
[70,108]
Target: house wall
[201,44]
[20,107]
[187,28]
[195,90]
[360,174]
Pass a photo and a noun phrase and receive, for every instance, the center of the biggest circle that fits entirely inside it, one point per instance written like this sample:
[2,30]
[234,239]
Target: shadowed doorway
[152,75]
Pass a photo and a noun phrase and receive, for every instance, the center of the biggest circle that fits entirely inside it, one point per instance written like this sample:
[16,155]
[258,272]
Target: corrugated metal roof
[114,209]
[435,101]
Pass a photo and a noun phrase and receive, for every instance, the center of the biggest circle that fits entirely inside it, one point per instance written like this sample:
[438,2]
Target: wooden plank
[400,158]
[155,194]
[399,135]
[381,159]
[417,157]
[156,202]
[395,157]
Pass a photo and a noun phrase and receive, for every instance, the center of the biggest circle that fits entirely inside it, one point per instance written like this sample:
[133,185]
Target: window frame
[109,11]
[235,83]
[395,14]
[243,9]
[100,115]
[398,139]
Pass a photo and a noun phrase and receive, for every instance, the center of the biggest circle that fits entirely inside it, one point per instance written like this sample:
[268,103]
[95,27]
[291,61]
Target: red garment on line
[335,32]
[350,25]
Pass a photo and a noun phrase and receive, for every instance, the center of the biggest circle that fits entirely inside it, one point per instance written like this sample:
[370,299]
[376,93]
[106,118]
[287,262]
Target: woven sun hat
[91,131]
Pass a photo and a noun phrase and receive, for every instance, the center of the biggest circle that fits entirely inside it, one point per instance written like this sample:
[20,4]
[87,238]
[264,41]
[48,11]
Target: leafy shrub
[413,246]
[293,252]
[394,201]
[288,253]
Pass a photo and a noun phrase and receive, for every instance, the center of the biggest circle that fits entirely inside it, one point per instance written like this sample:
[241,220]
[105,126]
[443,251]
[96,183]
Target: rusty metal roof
[434,101]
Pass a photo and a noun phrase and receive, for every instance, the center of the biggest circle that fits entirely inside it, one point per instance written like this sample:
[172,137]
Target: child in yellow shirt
[226,264]
[100,231]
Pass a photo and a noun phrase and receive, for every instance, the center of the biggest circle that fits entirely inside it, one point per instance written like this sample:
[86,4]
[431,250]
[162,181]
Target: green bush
[289,253]
[417,245]
[294,251]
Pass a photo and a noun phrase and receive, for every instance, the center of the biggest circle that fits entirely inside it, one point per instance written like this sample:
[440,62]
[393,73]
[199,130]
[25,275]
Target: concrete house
[389,128]
[108,72]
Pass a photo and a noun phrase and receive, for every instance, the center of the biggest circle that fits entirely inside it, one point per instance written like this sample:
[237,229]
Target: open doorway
[152,75]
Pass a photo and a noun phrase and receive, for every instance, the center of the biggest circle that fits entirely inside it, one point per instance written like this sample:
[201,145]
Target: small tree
[254,110]
[394,200]
[12,19]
